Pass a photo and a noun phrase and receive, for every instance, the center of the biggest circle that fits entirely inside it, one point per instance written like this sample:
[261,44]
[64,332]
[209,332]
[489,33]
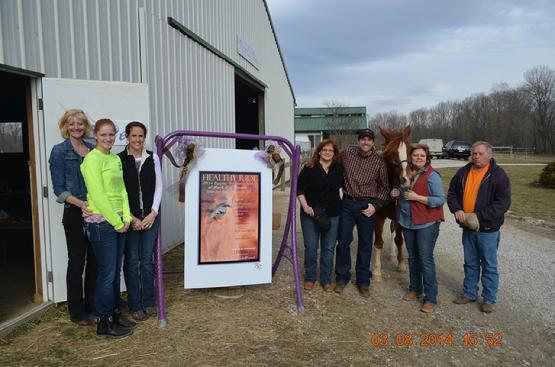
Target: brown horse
[395,156]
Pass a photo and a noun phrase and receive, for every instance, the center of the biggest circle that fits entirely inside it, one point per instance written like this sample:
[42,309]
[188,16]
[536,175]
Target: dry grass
[264,328]
[528,199]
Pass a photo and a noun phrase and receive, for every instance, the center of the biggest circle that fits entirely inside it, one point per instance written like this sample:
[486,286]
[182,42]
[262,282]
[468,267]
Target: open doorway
[249,112]
[19,289]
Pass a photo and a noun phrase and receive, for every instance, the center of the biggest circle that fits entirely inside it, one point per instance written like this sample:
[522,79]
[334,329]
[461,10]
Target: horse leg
[378,246]
[390,247]
[402,266]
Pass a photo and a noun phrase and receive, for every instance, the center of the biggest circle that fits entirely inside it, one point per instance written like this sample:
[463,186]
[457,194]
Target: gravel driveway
[526,268]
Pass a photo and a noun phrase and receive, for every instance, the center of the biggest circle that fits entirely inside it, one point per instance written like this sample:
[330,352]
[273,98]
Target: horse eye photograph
[277,183]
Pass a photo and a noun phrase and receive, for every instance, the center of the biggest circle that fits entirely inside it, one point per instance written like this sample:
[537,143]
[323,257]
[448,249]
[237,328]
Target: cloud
[409,54]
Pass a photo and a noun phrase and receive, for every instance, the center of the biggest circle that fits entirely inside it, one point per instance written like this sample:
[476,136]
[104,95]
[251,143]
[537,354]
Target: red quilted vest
[422,213]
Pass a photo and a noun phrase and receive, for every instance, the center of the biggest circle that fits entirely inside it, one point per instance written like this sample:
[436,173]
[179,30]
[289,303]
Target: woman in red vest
[420,213]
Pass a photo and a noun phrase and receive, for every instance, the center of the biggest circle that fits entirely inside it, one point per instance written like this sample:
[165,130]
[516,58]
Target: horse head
[395,153]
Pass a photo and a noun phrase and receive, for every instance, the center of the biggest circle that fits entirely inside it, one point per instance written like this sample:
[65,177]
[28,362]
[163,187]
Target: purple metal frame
[294,152]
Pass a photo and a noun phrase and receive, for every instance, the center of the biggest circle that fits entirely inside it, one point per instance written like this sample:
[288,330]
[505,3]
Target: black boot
[106,328]
[122,321]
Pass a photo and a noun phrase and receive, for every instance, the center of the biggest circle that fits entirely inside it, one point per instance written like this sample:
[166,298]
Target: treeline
[522,117]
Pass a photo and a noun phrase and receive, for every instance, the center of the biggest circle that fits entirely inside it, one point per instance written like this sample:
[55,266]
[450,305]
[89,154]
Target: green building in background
[313,124]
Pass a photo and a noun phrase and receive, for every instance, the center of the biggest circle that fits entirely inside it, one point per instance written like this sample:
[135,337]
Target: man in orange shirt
[479,195]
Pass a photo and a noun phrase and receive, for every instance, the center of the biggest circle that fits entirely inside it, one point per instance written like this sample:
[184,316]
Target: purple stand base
[294,153]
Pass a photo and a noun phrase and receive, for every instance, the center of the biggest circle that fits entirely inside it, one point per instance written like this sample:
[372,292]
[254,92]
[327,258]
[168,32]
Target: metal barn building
[314,124]
[211,65]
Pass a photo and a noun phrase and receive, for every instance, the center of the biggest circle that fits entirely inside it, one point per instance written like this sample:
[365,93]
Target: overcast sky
[400,55]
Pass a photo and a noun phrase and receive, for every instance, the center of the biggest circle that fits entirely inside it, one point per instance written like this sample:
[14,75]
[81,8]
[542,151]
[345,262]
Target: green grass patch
[528,199]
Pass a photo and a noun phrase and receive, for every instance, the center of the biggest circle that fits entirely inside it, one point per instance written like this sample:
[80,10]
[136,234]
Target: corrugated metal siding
[190,88]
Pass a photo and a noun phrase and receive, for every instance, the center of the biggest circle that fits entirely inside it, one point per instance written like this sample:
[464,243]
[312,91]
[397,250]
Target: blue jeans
[108,248]
[480,254]
[312,240]
[422,268]
[351,216]
[138,267]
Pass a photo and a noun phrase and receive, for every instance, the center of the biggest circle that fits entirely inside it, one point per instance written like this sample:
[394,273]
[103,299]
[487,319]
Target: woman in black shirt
[318,193]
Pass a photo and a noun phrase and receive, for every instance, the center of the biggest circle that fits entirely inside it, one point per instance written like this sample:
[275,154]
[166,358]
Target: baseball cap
[365,132]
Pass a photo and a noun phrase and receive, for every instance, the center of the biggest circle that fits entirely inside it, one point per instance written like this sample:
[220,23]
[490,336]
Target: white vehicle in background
[436,147]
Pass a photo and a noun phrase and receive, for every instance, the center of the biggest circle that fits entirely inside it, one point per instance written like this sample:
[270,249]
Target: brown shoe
[328,288]
[488,307]
[308,285]
[463,300]
[427,307]
[410,296]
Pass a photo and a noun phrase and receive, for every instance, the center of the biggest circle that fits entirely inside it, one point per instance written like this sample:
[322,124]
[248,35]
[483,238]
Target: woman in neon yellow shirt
[106,228]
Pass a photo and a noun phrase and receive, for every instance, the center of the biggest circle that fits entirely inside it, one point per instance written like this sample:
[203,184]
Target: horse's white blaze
[402,151]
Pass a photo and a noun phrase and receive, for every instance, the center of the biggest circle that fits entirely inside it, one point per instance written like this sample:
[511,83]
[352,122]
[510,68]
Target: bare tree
[391,120]
[341,125]
[540,88]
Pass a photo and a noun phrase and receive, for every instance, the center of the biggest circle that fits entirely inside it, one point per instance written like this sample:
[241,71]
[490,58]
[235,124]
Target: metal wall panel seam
[30,35]
[188,76]
[57,41]
[163,80]
[171,71]
[40,35]
[129,42]
[109,26]
[1,41]
[72,40]
[12,56]
[21,35]
[151,54]
[177,75]
[141,47]
[86,39]
[99,49]
[119,41]
[169,54]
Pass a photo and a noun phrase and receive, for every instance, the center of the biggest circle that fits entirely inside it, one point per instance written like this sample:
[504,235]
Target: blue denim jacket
[65,173]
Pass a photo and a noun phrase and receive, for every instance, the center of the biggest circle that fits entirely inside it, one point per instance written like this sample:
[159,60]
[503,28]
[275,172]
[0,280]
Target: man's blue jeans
[312,240]
[351,216]
[138,267]
[480,254]
[108,248]
[422,268]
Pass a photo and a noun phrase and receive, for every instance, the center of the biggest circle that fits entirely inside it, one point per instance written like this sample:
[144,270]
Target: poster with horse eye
[229,223]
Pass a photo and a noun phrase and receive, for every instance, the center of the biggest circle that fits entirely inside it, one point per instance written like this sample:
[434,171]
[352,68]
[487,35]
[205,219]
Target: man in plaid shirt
[365,189]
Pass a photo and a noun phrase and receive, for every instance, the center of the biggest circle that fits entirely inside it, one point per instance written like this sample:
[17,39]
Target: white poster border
[227,274]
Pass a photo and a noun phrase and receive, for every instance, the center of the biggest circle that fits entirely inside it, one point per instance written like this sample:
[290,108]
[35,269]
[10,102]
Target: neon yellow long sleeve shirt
[106,193]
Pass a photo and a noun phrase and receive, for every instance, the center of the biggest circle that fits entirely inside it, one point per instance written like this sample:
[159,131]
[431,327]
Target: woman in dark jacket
[143,182]
[70,190]
[318,193]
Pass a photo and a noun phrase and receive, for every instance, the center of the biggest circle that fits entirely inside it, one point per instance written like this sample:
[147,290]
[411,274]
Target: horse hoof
[402,268]
[377,278]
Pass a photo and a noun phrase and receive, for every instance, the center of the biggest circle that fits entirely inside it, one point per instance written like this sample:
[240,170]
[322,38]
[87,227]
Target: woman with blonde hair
[318,193]
[70,190]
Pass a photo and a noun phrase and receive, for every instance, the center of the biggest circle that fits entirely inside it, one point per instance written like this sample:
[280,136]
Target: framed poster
[229,223]
[228,220]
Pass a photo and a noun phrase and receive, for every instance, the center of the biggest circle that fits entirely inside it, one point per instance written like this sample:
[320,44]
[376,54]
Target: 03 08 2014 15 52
[428,339]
